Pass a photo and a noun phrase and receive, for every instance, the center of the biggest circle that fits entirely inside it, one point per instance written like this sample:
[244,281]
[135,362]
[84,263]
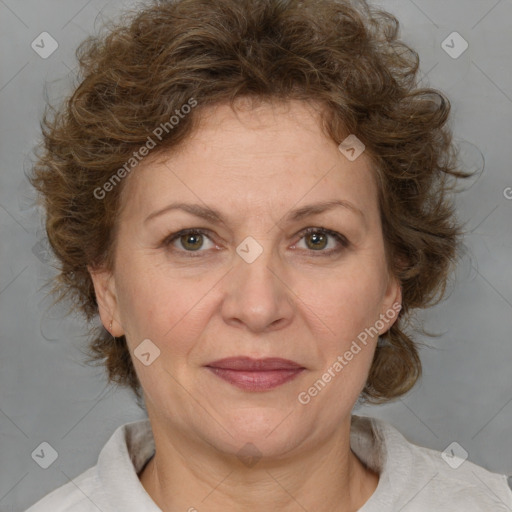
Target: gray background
[48,394]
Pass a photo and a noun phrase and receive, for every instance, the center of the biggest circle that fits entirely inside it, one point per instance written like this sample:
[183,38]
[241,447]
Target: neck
[327,478]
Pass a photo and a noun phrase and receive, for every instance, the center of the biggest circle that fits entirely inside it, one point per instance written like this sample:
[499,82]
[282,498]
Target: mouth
[255,374]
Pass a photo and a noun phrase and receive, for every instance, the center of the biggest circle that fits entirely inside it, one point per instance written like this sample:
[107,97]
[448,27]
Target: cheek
[341,313]
[164,308]
[344,304]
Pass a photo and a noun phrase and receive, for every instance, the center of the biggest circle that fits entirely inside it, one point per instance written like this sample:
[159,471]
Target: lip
[255,374]
[249,364]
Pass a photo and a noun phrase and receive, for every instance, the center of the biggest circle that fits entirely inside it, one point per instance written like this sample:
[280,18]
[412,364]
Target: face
[268,278]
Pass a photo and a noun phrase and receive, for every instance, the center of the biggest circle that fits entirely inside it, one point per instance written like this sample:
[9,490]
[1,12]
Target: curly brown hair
[345,55]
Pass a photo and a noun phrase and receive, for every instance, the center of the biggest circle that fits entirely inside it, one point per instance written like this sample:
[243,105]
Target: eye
[317,239]
[191,240]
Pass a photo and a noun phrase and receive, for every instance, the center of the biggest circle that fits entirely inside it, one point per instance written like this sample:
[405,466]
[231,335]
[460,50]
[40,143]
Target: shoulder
[416,479]
[112,484]
[75,496]
[459,482]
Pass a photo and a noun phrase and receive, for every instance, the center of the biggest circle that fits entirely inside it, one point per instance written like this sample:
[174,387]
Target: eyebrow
[213,215]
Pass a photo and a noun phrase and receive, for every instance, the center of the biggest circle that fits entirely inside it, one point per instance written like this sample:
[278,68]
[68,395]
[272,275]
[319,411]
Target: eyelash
[307,231]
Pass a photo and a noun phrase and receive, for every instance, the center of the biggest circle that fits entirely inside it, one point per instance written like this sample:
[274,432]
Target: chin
[268,431]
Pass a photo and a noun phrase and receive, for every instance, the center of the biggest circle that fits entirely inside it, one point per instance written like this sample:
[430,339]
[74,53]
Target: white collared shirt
[411,478]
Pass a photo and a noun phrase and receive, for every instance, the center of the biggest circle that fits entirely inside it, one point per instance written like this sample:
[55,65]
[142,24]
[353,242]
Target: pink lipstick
[255,374]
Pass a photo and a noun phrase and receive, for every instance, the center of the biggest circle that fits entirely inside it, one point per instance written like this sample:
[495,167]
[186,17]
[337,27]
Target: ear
[392,303]
[106,297]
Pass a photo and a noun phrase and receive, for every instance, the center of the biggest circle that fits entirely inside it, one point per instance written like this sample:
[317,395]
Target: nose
[257,294]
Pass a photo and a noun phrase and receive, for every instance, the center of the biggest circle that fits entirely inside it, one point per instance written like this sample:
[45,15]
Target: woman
[252,195]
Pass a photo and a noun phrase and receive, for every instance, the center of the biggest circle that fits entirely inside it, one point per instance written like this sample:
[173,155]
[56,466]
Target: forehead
[252,158]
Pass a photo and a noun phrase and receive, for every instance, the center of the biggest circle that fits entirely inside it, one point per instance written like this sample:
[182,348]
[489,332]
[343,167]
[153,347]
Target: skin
[255,165]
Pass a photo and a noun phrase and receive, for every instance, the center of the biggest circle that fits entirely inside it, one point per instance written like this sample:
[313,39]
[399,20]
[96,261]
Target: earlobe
[106,297]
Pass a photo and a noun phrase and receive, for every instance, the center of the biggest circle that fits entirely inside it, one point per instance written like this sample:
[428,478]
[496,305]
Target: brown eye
[318,240]
[191,241]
